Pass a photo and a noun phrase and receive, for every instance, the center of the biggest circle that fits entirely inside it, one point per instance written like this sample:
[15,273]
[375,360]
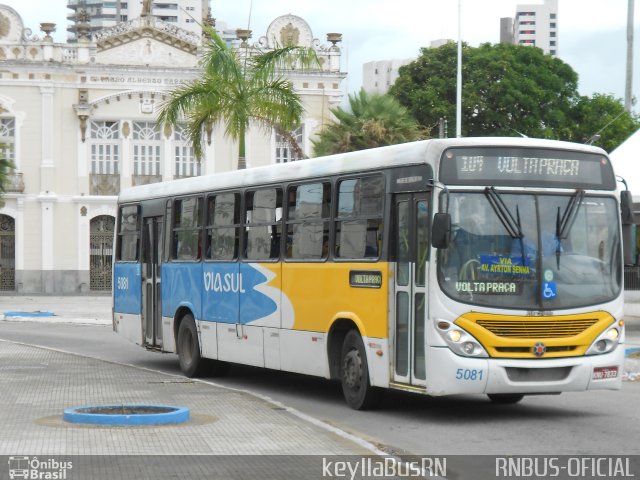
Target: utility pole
[628,91]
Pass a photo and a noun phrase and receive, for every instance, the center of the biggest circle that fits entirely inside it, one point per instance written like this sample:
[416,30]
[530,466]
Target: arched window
[284,149]
[147,146]
[105,147]
[186,164]
[7,138]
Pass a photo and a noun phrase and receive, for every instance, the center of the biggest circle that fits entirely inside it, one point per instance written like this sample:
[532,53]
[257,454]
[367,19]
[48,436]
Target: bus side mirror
[441,230]
[626,207]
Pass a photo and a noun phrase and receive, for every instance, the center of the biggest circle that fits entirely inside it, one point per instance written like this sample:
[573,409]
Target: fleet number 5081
[123,283]
[468,374]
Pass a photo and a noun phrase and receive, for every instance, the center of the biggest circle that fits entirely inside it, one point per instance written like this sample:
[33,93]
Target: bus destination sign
[526,167]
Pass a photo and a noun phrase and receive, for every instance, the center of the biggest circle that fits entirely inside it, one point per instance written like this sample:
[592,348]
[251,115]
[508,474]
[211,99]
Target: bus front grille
[532,328]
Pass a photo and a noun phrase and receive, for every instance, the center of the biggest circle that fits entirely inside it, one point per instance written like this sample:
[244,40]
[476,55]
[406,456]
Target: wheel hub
[353,369]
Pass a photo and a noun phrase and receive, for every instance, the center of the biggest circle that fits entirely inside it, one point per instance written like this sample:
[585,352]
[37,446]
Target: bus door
[152,247]
[412,247]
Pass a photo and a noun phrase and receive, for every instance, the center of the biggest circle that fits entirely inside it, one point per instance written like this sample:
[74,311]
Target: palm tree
[237,88]
[375,120]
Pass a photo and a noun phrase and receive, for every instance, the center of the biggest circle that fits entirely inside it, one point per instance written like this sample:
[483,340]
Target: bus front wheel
[354,374]
[191,363]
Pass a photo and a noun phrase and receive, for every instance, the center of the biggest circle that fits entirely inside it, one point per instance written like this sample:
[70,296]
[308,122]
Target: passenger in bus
[550,245]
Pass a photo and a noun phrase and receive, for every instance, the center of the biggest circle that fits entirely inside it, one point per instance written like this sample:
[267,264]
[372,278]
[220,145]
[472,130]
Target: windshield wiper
[513,226]
[564,224]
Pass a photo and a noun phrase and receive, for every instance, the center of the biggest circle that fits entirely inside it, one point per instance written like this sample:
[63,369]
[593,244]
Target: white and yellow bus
[454,266]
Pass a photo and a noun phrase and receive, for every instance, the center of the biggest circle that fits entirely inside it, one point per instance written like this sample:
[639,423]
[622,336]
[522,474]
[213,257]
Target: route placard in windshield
[526,167]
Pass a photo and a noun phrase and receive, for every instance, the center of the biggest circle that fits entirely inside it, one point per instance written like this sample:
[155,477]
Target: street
[600,422]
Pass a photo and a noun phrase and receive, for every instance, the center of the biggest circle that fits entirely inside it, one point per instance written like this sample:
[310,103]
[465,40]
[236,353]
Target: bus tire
[354,374]
[505,398]
[191,363]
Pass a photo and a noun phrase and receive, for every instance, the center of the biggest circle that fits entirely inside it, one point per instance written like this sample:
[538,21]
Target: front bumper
[448,373]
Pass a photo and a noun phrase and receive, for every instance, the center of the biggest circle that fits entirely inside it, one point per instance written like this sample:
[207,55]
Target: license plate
[604,373]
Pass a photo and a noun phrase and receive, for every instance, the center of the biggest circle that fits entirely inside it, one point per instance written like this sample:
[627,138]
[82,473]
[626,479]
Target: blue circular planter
[127,415]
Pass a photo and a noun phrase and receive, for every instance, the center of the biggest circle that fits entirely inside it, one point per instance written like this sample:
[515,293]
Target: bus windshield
[531,251]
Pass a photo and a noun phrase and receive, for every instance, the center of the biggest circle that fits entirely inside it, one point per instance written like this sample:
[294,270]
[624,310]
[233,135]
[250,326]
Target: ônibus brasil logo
[35,469]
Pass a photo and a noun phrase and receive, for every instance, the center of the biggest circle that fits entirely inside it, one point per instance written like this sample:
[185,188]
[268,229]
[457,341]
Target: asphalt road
[589,423]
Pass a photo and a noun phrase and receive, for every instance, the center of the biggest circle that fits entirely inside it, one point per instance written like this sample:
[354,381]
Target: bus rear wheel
[354,374]
[505,398]
[191,363]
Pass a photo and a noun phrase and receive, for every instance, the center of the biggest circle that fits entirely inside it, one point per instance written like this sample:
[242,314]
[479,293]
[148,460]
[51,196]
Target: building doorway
[7,253]
[101,252]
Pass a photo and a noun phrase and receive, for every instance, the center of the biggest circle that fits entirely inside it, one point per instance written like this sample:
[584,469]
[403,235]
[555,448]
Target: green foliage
[374,121]
[602,121]
[6,167]
[236,90]
[507,90]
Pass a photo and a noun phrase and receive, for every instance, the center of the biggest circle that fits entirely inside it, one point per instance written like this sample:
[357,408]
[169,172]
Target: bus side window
[359,219]
[187,226]
[263,227]
[223,226]
[128,234]
[308,221]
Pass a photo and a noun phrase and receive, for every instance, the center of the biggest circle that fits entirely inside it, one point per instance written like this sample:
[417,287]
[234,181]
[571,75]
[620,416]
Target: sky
[591,33]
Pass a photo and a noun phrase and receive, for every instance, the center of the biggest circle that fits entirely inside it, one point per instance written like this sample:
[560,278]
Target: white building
[535,25]
[378,76]
[79,122]
[186,14]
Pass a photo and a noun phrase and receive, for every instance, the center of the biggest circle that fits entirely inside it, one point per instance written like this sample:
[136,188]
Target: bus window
[263,228]
[128,234]
[359,221]
[308,221]
[187,223]
[223,226]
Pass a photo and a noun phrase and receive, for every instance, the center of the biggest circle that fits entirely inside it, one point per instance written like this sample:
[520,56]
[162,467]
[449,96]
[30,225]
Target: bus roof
[359,161]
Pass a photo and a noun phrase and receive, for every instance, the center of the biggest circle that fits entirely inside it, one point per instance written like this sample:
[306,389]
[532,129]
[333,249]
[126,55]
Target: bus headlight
[459,341]
[613,334]
[605,343]
[454,335]
[468,348]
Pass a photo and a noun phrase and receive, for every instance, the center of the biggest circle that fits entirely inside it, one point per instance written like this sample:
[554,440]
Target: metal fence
[632,277]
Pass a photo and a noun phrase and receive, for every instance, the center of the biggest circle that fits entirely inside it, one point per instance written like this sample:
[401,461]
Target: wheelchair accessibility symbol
[549,290]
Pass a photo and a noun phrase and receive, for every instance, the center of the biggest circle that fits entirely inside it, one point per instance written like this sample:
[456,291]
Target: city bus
[447,266]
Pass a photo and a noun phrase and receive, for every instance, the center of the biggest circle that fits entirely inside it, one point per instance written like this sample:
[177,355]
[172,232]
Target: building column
[47,202]
[209,159]
[168,170]
[47,195]
[125,159]
[47,163]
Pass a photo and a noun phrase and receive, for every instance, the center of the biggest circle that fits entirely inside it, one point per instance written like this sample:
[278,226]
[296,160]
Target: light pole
[628,91]
[459,82]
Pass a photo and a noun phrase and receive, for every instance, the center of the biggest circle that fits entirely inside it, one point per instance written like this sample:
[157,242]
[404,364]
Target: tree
[507,90]
[374,120]
[603,121]
[6,168]
[237,89]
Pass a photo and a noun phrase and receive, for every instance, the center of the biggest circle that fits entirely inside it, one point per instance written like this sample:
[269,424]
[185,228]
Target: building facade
[78,122]
[535,25]
[378,76]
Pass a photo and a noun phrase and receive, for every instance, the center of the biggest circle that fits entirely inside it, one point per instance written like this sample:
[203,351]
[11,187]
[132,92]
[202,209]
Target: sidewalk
[85,309]
[37,384]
